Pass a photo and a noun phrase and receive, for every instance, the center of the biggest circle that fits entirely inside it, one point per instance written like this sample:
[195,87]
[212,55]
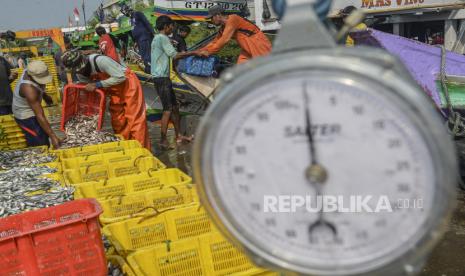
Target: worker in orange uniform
[106,44]
[250,38]
[127,104]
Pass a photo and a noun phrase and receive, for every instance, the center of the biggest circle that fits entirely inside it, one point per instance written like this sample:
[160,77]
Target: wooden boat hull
[190,102]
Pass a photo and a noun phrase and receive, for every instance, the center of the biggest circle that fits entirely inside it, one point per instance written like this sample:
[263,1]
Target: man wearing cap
[250,38]
[127,104]
[27,108]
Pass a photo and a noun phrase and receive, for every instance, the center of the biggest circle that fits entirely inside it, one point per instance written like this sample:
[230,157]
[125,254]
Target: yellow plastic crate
[175,258]
[6,118]
[13,145]
[132,234]
[188,222]
[265,273]
[8,122]
[105,158]
[120,145]
[103,172]
[129,184]
[53,165]
[55,176]
[125,207]
[97,149]
[222,258]
[157,227]
[7,142]
[14,136]
[121,262]
[13,129]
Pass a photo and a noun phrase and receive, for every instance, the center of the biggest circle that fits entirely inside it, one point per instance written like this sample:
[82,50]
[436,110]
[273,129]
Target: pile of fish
[81,130]
[114,270]
[24,158]
[23,189]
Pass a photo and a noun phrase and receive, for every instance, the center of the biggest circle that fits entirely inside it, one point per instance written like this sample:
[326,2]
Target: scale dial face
[370,149]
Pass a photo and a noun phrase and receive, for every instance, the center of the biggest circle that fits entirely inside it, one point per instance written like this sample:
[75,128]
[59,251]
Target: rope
[455,122]
[149,216]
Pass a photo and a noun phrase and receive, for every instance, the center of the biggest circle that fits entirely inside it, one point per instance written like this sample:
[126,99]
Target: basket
[76,100]
[104,172]
[189,222]
[198,66]
[132,234]
[59,240]
[13,133]
[222,258]
[53,165]
[97,149]
[8,124]
[105,158]
[9,138]
[174,258]
[153,229]
[121,262]
[13,145]
[125,207]
[55,176]
[129,184]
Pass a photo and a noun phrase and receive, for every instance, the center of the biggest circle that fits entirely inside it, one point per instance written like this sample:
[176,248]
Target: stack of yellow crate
[11,135]
[151,214]
[20,73]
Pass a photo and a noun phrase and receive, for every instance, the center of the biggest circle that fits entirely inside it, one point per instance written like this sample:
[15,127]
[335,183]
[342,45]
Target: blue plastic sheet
[198,66]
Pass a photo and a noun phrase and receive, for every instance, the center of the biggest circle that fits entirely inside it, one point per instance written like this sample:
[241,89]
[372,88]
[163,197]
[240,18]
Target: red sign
[41,33]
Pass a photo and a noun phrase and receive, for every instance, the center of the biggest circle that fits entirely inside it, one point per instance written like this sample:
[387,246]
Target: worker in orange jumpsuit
[250,38]
[106,44]
[127,104]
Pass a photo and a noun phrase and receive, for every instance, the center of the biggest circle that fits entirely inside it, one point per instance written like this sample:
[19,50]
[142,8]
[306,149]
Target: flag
[84,13]
[76,14]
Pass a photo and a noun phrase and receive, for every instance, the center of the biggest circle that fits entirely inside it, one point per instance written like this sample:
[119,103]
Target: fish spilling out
[25,188]
[81,130]
[114,270]
[24,158]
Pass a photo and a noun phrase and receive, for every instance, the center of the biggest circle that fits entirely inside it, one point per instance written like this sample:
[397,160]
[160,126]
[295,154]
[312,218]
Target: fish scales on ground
[81,130]
[24,189]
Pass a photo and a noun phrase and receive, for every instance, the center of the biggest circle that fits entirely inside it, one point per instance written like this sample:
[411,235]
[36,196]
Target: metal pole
[84,12]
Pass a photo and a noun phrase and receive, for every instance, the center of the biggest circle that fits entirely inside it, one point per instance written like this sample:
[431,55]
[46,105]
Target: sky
[18,15]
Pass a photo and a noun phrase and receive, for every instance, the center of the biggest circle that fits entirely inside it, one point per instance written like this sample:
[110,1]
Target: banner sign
[393,5]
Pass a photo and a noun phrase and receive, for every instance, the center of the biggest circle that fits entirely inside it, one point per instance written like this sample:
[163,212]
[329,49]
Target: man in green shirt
[162,52]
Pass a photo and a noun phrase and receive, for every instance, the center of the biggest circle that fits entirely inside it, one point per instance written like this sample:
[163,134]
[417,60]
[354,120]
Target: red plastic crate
[60,240]
[76,100]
